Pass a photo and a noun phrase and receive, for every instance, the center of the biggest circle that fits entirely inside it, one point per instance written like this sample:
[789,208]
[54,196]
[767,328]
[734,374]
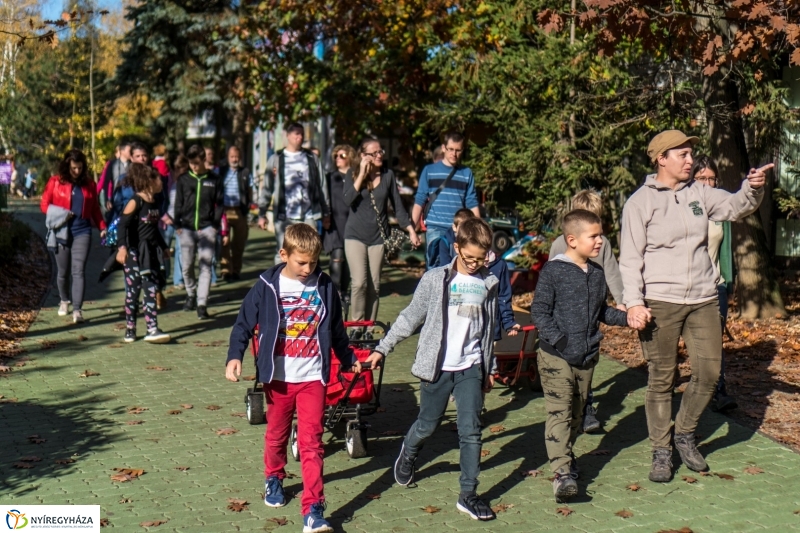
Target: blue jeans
[431,234]
[177,275]
[466,387]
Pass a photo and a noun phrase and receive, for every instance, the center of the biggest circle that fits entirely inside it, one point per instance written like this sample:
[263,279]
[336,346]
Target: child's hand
[233,370]
[514,330]
[356,368]
[622,308]
[639,316]
[374,360]
[489,384]
[225,240]
[122,255]
[165,252]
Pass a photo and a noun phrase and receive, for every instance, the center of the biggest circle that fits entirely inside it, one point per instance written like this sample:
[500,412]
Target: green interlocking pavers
[84,420]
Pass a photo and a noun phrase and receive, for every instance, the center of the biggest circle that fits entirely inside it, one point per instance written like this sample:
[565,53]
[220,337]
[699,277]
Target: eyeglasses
[472,262]
[454,150]
[709,181]
[341,156]
[379,153]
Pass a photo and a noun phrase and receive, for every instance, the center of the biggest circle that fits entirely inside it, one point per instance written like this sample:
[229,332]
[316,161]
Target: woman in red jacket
[74,191]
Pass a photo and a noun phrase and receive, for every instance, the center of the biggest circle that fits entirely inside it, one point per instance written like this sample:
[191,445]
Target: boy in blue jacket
[441,250]
[299,317]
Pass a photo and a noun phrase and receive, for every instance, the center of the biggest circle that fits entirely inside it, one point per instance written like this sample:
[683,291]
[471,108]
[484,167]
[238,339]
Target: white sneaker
[77,316]
[63,308]
[156,336]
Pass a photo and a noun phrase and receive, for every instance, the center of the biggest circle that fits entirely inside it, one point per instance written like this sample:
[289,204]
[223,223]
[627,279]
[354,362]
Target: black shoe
[130,335]
[724,403]
[227,278]
[661,470]
[468,502]
[574,470]
[590,422]
[202,312]
[190,304]
[404,468]
[236,277]
[690,455]
[564,487]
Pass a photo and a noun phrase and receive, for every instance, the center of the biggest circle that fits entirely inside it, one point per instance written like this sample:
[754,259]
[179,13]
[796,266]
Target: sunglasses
[341,156]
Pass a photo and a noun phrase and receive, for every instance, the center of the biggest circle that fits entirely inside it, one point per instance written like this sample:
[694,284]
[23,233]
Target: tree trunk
[757,289]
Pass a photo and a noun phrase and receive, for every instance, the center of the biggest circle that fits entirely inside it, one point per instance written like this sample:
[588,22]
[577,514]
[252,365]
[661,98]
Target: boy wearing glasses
[456,305]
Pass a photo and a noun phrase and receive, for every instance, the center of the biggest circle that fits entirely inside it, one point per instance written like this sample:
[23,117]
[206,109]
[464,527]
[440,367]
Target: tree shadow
[42,442]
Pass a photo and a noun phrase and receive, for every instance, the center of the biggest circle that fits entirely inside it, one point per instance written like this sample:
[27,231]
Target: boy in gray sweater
[456,305]
[568,306]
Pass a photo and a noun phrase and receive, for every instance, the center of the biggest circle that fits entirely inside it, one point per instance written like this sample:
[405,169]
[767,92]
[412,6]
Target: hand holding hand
[102,233]
[225,240]
[758,176]
[233,370]
[622,308]
[639,316]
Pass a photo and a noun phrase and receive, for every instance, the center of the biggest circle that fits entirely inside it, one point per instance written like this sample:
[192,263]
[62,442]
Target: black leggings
[340,272]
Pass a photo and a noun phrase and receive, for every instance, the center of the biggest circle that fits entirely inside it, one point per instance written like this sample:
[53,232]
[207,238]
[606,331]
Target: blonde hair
[160,150]
[589,200]
[352,157]
[302,238]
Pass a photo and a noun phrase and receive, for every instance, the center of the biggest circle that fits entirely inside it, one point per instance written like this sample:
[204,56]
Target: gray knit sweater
[428,308]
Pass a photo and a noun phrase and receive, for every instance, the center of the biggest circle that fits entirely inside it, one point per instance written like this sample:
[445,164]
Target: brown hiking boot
[690,455]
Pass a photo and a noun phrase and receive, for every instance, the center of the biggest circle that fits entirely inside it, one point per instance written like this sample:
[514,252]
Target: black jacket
[334,236]
[245,192]
[275,186]
[567,309]
[198,201]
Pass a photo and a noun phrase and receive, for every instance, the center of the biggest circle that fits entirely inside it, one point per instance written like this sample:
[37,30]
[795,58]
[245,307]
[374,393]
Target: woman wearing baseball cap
[670,284]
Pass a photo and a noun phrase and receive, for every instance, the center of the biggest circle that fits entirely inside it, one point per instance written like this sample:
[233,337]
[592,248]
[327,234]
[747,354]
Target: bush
[14,238]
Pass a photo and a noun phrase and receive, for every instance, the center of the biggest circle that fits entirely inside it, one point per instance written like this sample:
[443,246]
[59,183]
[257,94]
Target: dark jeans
[71,260]
[466,388]
[722,292]
[340,272]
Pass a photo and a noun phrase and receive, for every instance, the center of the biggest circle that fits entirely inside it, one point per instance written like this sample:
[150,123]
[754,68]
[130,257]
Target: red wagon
[348,395]
[518,366]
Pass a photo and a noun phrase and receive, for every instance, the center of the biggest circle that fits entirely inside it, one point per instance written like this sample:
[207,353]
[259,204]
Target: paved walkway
[86,430]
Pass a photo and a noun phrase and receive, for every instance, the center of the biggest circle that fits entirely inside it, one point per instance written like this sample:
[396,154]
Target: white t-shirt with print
[296,181]
[297,353]
[465,322]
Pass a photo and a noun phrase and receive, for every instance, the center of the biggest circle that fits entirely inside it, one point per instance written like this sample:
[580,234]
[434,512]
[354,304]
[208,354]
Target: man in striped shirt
[458,194]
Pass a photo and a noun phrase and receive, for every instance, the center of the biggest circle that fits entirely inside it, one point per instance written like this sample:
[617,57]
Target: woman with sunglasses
[368,196]
[705,171]
[344,157]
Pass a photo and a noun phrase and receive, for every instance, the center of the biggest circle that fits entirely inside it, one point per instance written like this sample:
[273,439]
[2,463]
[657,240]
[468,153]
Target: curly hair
[140,177]
[352,158]
[65,176]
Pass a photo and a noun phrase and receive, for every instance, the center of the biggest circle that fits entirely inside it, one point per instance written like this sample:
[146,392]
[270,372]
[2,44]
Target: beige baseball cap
[667,140]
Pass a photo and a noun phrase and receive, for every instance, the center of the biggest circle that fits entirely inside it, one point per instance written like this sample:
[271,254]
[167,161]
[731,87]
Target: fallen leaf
[30,459]
[187,405]
[20,464]
[134,422]
[159,368]
[88,373]
[373,496]
[497,429]
[278,520]
[135,472]
[175,412]
[81,338]
[136,410]
[600,452]
[36,439]
[431,509]
[635,487]
[727,477]
[753,470]
[391,432]
[484,453]
[120,326]
[201,344]
[681,530]
[531,473]
[237,506]
[502,507]
[122,478]
[397,389]
[19,365]
[249,378]
[624,513]
[64,461]
[213,407]
[565,511]
[240,415]
[182,468]
[227,431]
[103,522]
[125,500]
[115,345]
[153,523]
[705,474]
[689,479]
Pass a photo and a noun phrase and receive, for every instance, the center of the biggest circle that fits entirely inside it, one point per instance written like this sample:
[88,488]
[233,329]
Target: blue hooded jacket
[261,308]
[499,268]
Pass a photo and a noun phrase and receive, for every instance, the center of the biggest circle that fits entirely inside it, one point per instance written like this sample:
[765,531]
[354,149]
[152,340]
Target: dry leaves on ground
[88,373]
[249,378]
[227,431]
[213,407]
[126,474]
[36,439]
[497,429]
[565,511]
[30,459]
[136,410]
[104,522]
[20,464]
[430,509]
[634,487]
[600,452]
[187,405]
[125,500]
[134,422]
[531,473]
[689,479]
[624,513]
[153,523]
[182,468]
[373,496]
[485,453]
[753,470]
[159,368]
[727,477]
[681,530]
[68,461]
[502,507]
[174,412]
[237,506]
[278,520]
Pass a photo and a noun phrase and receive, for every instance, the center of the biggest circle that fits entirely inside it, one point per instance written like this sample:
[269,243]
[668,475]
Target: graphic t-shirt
[297,355]
[296,179]
[465,322]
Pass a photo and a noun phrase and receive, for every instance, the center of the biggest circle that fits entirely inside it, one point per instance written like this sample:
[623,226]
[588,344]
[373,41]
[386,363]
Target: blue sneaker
[273,492]
[314,522]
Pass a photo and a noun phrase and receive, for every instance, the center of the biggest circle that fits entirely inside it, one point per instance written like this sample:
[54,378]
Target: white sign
[52,517]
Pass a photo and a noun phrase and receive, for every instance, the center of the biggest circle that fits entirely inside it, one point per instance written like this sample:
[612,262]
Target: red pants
[309,400]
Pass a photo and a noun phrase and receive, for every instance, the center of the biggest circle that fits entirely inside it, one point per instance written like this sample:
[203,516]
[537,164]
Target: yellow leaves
[372,52]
